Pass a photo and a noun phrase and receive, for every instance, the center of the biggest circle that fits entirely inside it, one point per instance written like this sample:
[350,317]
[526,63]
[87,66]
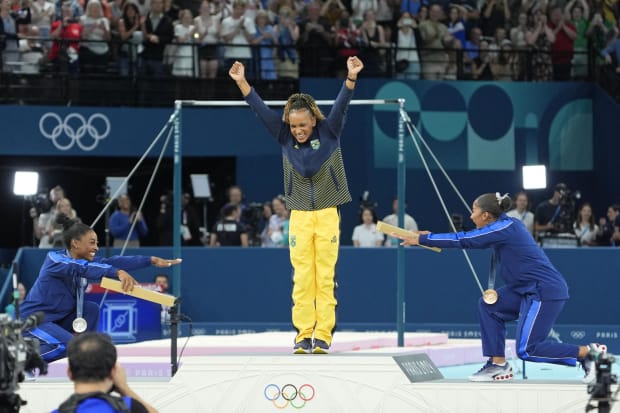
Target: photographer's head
[92,357]
[559,191]
[79,239]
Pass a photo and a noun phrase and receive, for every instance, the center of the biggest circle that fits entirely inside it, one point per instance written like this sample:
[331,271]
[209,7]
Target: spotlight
[534,177]
[26,183]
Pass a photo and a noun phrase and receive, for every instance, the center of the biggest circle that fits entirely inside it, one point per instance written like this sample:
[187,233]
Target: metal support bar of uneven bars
[401,173]
[200,103]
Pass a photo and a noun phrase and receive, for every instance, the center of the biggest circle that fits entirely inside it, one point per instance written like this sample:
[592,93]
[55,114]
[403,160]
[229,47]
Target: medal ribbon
[492,271]
[79,295]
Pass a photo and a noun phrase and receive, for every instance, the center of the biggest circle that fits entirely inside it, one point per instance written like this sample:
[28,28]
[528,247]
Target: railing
[123,77]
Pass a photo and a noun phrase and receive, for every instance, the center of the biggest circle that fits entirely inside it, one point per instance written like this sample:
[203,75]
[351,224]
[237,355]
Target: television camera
[18,354]
[600,390]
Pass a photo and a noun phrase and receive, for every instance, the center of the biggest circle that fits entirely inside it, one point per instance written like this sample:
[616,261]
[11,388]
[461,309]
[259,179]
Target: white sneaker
[493,372]
[589,363]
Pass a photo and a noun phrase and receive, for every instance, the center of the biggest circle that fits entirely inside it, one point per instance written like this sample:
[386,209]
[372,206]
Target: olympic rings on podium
[289,394]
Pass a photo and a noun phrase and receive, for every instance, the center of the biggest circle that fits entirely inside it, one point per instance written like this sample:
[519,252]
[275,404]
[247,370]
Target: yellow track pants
[314,239]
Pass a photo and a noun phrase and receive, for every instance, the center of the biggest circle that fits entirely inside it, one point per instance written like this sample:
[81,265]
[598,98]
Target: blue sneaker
[493,372]
[589,363]
[30,375]
[320,347]
[303,347]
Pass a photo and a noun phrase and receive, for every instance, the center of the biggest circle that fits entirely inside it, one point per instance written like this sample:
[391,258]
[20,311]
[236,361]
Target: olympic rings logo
[577,334]
[289,394]
[74,127]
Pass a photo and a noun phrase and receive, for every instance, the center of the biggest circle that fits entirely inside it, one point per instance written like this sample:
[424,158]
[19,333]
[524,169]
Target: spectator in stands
[585,226]
[412,7]
[32,51]
[392,219]
[54,227]
[74,5]
[43,14]
[348,41]
[540,37]
[611,54]
[265,37]
[407,58]
[598,33]
[366,234]
[359,8]
[158,33]
[472,49]
[162,284]
[131,36]
[518,37]
[265,239]
[228,231]
[40,222]
[66,33]
[235,197]
[10,22]
[495,13]
[121,222]
[375,45]
[609,229]
[456,24]
[278,224]
[190,222]
[184,31]
[315,43]
[94,56]
[503,66]
[562,48]
[236,32]
[333,11]
[434,36]
[95,372]
[287,32]
[579,13]
[481,66]
[521,211]
[172,9]
[207,28]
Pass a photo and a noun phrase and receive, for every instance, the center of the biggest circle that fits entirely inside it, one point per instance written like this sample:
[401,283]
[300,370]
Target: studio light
[534,177]
[26,183]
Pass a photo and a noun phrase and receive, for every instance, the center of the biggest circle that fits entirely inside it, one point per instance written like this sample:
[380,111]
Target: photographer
[95,373]
[43,212]
[556,215]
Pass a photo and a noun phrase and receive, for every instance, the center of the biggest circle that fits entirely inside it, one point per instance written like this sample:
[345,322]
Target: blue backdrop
[481,132]
[234,289]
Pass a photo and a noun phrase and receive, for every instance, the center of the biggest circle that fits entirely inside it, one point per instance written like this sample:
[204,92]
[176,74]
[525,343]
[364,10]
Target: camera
[600,390]
[567,212]
[17,355]
[365,202]
[252,216]
[40,202]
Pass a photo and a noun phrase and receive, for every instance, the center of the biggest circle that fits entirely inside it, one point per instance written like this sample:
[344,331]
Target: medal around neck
[79,325]
[489,296]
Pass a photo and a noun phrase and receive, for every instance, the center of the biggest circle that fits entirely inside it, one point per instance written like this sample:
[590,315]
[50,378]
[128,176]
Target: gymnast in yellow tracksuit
[315,185]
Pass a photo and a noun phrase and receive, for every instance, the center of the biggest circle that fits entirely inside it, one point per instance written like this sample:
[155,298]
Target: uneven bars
[282,102]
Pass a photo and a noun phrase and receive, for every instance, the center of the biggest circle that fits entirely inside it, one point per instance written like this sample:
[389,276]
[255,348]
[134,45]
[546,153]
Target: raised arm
[237,73]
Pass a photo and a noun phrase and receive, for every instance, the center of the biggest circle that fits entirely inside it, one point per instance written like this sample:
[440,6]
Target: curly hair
[302,101]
